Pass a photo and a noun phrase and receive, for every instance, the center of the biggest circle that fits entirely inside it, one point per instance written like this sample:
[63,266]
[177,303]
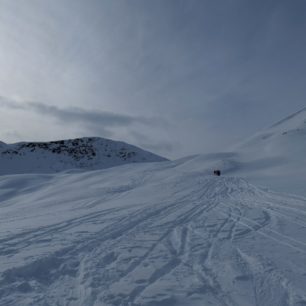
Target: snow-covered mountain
[274,157]
[54,156]
[285,139]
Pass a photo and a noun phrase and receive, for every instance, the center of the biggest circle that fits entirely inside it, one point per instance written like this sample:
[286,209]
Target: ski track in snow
[158,237]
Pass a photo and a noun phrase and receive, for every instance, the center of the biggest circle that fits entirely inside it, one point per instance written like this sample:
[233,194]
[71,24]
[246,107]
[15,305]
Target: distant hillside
[286,139]
[54,156]
[274,157]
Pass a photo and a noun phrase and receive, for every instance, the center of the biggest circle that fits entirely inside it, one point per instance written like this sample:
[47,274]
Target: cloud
[93,122]
[93,119]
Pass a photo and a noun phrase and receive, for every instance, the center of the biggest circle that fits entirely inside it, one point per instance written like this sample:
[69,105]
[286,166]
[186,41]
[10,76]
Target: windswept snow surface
[149,234]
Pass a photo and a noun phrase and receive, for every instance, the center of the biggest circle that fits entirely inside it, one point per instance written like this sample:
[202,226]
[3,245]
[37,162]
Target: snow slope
[55,156]
[149,234]
[165,233]
[274,157]
[285,139]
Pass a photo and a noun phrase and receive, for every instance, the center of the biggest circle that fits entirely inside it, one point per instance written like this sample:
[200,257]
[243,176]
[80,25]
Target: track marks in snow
[203,241]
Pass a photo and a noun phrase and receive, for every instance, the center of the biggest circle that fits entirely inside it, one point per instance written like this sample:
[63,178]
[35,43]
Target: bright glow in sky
[175,77]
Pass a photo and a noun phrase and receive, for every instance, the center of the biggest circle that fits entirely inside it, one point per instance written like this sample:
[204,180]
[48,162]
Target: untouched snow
[80,153]
[149,234]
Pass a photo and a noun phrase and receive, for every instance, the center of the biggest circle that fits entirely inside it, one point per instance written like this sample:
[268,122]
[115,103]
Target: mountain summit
[90,153]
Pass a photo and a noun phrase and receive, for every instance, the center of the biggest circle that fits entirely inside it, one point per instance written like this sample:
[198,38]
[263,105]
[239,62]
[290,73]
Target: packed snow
[158,233]
[149,234]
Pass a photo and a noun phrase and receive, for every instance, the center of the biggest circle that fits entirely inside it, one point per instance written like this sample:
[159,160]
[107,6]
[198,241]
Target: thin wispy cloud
[90,117]
[95,122]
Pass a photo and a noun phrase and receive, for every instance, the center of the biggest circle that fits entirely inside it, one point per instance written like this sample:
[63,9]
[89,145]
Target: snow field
[149,234]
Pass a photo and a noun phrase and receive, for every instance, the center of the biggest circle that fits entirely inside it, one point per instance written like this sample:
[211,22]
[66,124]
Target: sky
[175,77]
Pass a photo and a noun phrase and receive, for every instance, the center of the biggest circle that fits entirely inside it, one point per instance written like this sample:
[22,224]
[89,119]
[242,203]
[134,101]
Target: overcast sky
[176,77]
